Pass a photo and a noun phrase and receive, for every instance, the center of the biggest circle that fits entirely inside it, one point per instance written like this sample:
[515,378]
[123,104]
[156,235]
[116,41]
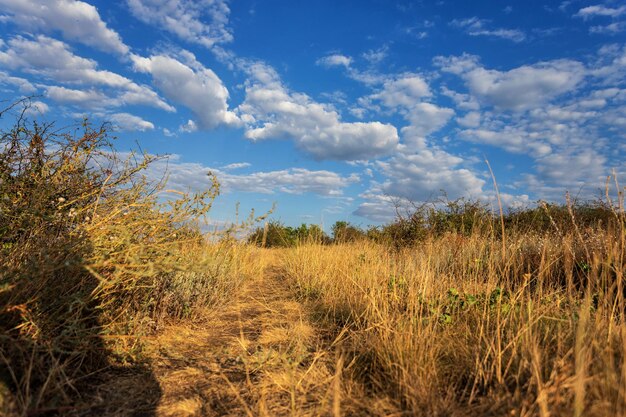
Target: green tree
[345,232]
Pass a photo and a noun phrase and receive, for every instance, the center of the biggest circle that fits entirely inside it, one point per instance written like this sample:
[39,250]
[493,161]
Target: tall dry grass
[93,258]
[456,326]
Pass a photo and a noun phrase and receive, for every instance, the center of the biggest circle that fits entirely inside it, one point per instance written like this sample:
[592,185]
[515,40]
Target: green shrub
[275,234]
[345,232]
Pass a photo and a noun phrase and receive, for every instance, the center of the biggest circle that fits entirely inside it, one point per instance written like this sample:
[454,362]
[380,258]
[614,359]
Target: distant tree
[273,234]
[276,234]
[311,234]
[345,232]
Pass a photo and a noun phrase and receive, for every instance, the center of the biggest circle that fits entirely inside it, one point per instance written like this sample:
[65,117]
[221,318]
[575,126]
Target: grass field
[113,303]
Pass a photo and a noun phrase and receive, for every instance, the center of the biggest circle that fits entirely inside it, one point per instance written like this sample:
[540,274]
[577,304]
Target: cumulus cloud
[543,130]
[367,77]
[192,85]
[52,60]
[419,171]
[235,165]
[85,98]
[188,127]
[427,118]
[422,175]
[610,29]
[405,94]
[76,20]
[271,111]
[600,10]
[474,26]
[590,12]
[291,181]
[130,122]
[520,88]
[37,108]
[573,168]
[417,176]
[471,119]
[193,176]
[461,100]
[511,138]
[582,173]
[405,91]
[376,56]
[377,207]
[204,22]
[22,84]
[335,60]
[543,111]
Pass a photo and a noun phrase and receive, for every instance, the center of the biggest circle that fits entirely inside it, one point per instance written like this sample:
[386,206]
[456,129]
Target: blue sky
[337,109]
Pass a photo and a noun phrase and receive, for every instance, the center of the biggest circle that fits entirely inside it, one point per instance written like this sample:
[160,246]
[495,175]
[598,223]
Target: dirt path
[245,360]
[257,356]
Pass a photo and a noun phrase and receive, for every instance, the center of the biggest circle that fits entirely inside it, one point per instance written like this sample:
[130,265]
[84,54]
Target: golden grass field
[112,303]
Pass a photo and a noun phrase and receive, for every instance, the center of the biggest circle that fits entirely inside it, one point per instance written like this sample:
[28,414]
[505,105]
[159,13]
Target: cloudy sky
[336,109]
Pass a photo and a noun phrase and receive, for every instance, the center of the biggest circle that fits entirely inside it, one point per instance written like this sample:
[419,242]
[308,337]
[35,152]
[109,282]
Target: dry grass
[112,303]
[456,327]
[93,260]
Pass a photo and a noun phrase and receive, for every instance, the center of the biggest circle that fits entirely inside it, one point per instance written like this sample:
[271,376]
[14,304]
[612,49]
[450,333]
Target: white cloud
[51,59]
[462,101]
[418,171]
[610,29]
[471,119]
[76,20]
[193,176]
[582,173]
[573,168]
[130,122]
[512,138]
[37,108]
[540,131]
[474,26]
[610,65]
[235,165]
[335,60]
[417,176]
[377,207]
[85,98]
[188,127]
[599,10]
[291,181]
[404,94]
[271,111]
[194,86]
[427,118]
[405,91]
[203,22]
[422,175]
[367,77]
[376,56]
[23,85]
[520,88]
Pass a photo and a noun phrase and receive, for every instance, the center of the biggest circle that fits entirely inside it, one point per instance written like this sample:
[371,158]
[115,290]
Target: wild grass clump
[91,252]
[460,324]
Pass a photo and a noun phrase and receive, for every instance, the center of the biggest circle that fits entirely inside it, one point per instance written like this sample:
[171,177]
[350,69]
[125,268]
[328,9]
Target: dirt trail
[259,355]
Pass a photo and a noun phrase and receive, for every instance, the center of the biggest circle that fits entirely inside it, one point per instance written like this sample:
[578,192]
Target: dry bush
[93,256]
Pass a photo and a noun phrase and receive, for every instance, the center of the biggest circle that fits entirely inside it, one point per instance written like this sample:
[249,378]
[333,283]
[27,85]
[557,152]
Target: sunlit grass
[449,310]
[451,326]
